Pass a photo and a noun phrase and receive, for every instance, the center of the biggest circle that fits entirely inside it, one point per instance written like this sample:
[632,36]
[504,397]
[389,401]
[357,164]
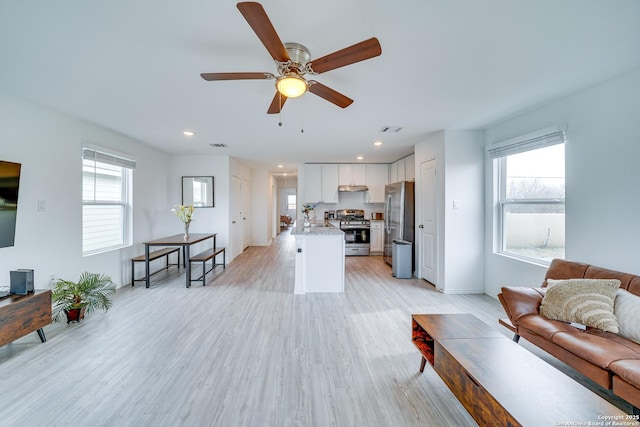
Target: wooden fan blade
[329,94]
[259,21]
[358,52]
[237,76]
[277,103]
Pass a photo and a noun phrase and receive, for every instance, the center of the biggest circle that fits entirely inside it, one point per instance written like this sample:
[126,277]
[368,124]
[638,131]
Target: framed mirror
[197,191]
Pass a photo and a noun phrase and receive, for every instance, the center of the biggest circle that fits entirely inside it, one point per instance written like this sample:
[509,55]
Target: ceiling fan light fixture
[291,85]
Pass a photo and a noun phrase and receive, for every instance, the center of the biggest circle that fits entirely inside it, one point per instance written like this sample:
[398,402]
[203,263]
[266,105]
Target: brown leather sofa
[608,359]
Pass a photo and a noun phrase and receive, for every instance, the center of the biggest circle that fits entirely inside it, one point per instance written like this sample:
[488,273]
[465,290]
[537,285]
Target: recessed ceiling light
[284,174]
[189,132]
[280,166]
[377,143]
[360,157]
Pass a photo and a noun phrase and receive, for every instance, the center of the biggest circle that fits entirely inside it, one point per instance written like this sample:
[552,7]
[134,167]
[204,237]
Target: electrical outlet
[456,204]
[52,280]
[42,205]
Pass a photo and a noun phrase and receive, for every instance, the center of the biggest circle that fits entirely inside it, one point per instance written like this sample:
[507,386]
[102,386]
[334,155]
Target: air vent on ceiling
[219,145]
[390,129]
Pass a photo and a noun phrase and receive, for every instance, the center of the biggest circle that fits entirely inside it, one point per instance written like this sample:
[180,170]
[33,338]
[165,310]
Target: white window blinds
[111,159]
[544,138]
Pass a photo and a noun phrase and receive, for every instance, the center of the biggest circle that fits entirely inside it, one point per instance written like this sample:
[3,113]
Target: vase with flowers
[185,213]
[307,208]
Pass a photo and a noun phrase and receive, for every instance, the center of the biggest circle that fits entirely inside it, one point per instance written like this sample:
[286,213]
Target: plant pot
[75,314]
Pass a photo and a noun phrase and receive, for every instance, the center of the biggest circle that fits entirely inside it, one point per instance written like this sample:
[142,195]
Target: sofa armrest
[518,301]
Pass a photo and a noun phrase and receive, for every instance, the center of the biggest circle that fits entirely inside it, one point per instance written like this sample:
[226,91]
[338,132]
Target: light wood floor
[241,351]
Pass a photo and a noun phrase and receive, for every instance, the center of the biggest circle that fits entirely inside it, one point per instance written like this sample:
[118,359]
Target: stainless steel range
[357,238]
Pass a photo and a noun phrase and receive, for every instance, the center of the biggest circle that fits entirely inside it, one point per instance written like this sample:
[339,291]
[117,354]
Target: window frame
[126,167]
[294,204]
[502,203]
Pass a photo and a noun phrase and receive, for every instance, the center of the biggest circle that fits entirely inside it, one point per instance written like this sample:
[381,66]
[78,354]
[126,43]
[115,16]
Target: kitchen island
[319,258]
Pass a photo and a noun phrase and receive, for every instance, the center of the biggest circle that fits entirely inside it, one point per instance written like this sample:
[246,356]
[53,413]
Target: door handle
[421,226]
[233,222]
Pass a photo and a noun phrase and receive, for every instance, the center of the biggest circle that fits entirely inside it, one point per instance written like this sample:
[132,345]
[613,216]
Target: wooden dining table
[177,240]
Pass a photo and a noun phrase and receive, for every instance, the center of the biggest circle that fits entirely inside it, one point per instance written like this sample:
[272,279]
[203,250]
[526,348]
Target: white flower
[185,213]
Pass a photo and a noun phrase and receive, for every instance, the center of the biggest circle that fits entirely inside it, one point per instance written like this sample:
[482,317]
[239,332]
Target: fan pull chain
[280,109]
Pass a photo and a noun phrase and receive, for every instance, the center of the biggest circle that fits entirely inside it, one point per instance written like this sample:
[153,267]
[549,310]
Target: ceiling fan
[293,62]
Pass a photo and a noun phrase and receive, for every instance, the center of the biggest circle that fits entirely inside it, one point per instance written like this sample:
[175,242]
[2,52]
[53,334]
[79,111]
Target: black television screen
[9,183]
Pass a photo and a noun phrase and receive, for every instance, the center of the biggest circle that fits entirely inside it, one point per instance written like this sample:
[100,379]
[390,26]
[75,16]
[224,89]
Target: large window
[106,201]
[531,193]
[291,202]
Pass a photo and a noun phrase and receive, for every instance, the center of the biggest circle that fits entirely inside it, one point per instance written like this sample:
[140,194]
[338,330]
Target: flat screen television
[9,184]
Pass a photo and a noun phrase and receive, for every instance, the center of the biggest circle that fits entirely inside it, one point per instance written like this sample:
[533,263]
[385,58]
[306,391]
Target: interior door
[246,210]
[236,216]
[427,223]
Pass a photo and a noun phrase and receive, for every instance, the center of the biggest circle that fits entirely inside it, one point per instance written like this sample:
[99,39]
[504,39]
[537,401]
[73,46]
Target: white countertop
[317,228]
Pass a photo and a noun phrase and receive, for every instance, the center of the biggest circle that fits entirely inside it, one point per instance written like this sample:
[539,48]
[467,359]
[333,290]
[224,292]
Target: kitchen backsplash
[349,201]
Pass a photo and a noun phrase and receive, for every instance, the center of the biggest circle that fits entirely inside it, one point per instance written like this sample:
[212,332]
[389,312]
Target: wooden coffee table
[501,383]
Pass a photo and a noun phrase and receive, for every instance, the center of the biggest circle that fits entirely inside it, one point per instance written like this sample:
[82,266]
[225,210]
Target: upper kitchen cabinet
[403,170]
[320,183]
[312,183]
[377,176]
[393,172]
[330,183]
[410,168]
[400,176]
[352,174]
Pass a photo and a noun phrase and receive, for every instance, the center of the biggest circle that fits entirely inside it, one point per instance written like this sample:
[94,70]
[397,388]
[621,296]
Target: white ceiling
[134,66]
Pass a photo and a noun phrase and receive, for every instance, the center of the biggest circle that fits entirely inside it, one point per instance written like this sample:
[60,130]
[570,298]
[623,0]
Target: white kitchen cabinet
[401,176]
[329,183]
[403,170]
[352,174]
[312,183]
[376,237]
[377,176]
[410,168]
[319,262]
[393,172]
[320,183]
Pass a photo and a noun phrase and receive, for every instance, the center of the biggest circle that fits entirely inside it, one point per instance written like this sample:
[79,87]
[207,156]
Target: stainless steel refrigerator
[398,217]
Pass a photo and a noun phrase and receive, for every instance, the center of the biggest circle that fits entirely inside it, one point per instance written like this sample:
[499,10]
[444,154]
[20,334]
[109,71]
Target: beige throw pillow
[586,301]
[627,311]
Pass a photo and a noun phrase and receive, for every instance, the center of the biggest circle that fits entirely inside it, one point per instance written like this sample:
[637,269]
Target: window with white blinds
[530,205]
[106,201]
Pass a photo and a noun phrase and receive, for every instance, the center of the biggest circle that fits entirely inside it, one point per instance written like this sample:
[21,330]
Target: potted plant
[72,299]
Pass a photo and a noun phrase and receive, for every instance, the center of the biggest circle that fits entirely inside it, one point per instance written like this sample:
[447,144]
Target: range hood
[352,188]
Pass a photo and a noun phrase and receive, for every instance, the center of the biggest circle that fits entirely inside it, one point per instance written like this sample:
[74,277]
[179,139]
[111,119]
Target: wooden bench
[164,252]
[203,257]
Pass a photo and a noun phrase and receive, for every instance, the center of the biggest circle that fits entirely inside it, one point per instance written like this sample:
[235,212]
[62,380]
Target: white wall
[205,220]
[602,178]
[464,226]
[48,145]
